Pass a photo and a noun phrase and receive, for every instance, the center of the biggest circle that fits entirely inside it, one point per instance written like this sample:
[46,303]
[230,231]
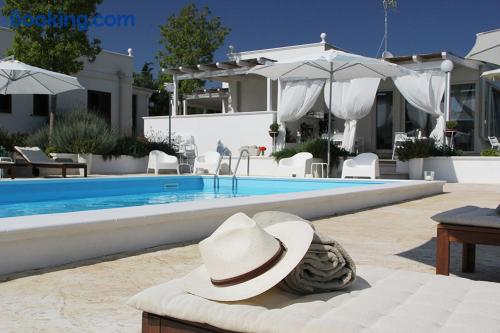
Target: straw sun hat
[242,260]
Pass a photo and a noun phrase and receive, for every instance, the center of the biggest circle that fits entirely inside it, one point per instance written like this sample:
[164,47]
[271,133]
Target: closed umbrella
[329,65]
[487,47]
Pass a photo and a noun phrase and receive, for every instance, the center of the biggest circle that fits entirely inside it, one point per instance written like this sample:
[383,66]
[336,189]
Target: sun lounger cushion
[470,216]
[381,300]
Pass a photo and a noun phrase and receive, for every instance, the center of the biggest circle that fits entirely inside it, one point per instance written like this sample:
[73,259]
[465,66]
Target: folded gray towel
[325,267]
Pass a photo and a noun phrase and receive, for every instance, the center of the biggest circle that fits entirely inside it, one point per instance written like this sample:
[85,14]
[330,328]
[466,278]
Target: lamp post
[169,87]
[446,67]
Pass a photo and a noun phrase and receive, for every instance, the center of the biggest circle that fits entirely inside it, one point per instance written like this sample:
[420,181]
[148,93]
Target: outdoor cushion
[381,300]
[470,216]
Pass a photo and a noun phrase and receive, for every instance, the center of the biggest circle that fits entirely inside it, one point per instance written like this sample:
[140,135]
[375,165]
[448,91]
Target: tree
[58,48]
[190,38]
[145,77]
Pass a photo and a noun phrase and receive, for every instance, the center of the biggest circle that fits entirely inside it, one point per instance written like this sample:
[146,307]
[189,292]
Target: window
[134,115]
[41,105]
[384,120]
[493,112]
[462,110]
[416,119]
[5,103]
[99,103]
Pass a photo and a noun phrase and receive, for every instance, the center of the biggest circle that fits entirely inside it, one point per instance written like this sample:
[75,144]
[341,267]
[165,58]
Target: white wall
[233,129]
[465,169]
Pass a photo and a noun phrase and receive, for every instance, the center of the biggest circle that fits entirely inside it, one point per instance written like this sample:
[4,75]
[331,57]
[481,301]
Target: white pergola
[219,71]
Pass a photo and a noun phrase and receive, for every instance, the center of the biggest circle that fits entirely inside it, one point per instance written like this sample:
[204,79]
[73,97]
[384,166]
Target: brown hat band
[254,272]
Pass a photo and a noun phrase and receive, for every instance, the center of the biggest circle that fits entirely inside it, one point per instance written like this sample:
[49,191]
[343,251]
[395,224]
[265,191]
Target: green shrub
[317,147]
[274,127]
[3,152]
[451,124]
[418,148]
[83,132]
[9,140]
[490,152]
[40,138]
[422,148]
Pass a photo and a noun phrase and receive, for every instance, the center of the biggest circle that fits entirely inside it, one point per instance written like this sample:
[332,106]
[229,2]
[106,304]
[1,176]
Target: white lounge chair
[296,165]
[399,139]
[362,166]
[494,142]
[159,160]
[207,163]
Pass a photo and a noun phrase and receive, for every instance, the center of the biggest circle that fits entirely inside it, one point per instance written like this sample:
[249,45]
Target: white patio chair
[494,142]
[296,165]
[159,160]
[399,138]
[207,163]
[362,166]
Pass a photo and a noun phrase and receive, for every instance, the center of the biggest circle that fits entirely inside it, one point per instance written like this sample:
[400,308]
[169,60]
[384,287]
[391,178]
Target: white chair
[296,165]
[207,163]
[159,160]
[362,166]
[399,138]
[494,142]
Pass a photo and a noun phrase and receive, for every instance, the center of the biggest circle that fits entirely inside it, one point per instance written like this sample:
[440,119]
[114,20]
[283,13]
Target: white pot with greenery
[413,152]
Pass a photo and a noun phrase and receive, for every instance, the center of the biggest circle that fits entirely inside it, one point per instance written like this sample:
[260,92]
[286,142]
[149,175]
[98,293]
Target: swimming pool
[67,220]
[23,198]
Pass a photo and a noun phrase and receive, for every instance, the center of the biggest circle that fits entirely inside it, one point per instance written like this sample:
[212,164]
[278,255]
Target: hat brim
[295,235]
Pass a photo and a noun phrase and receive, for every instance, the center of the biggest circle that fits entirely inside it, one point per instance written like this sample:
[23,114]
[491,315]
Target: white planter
[416,168]
[123,164]
[402,167]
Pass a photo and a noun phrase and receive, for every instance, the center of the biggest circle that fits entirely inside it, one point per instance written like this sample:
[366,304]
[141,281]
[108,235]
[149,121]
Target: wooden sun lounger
[54,165]
[152,323]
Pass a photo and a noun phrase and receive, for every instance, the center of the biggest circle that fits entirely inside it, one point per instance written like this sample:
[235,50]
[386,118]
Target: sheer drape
[297,98]
[351,101]
[425,92]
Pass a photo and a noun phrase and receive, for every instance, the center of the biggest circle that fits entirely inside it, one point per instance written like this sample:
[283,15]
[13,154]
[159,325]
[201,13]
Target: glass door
[384,120]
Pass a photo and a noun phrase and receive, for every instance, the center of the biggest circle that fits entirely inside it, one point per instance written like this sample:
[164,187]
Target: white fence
[232,129]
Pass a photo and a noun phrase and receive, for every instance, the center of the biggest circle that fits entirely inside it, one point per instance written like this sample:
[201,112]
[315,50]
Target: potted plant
[414,151]
[262,150]
[274,129]
[451,126]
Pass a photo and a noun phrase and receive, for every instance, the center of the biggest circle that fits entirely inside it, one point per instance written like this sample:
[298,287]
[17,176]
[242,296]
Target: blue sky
[354,25]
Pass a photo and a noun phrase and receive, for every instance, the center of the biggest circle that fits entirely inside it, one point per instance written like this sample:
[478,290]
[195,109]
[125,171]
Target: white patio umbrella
[19,78]
[487,47]
[329,65]
[492,75]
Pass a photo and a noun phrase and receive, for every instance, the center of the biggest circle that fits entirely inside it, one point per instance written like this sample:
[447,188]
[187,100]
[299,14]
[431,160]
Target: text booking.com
[64,20]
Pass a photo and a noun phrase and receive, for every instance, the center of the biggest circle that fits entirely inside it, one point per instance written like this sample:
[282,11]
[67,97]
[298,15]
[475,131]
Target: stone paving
[90,296]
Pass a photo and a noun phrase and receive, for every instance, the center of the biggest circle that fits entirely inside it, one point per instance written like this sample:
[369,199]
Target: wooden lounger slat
[152,323]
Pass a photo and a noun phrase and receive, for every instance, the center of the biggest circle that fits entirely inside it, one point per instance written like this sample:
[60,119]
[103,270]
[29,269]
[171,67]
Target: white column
[280,140]
[184,107]
[175,102]
[269,95]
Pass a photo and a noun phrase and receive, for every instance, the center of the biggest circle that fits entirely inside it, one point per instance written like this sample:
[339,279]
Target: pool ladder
[234,182]
[226,152]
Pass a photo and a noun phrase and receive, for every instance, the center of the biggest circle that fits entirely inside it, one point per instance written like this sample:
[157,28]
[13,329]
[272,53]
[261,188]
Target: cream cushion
[470,216]
[381,300]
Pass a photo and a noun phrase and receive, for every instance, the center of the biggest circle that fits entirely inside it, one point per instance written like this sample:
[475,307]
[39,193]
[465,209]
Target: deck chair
[36,158]
[494,142]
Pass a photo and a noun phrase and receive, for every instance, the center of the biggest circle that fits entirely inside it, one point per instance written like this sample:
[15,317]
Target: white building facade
[109,92]
[249,103]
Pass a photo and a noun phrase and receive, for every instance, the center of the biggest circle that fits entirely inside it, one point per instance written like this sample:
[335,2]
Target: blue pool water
[21,198]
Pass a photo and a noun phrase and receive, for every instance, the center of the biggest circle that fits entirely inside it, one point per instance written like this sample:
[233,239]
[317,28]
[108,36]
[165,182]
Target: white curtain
[297,98]
[351,101]
[425,92]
